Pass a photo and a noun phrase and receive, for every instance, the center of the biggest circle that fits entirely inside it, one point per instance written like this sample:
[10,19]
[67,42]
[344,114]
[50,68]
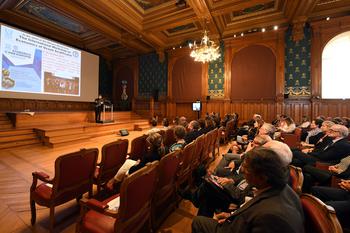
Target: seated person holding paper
[155,151]
[275,207]
[230,186]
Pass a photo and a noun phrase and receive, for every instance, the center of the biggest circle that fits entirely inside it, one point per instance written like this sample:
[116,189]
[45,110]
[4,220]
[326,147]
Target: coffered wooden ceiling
[123,28]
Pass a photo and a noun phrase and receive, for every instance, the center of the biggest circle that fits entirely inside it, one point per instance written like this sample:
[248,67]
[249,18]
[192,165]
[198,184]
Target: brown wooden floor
[16,166]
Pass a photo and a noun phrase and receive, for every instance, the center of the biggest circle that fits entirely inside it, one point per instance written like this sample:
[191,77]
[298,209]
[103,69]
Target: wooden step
[51,142]
[13,138]
[12,144]
[6,127]
[5,133]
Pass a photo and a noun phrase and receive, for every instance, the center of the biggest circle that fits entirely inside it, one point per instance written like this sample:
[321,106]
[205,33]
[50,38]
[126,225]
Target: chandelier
[206,51]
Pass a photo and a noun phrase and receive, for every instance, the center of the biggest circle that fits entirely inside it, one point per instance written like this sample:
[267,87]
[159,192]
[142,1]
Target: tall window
[336,68]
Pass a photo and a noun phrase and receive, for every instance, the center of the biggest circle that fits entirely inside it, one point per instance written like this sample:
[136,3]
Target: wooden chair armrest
[322,165]
[42,176]
[98,206]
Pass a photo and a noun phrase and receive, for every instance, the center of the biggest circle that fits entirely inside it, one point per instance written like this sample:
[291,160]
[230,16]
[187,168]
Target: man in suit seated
[193,132]
[233,188]
[332,153]
[338,198]
[275,207]
[323,177]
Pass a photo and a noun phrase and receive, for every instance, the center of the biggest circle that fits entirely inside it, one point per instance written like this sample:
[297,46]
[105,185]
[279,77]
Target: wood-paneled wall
[15,105]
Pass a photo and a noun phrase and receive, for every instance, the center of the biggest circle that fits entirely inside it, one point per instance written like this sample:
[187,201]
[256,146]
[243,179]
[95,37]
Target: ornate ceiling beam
[98,24]
[8,4]
[231,6]
[297,12]
[123,15]
[202,11]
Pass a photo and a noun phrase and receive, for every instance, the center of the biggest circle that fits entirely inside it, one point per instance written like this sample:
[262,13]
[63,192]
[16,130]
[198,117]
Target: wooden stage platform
[58,128]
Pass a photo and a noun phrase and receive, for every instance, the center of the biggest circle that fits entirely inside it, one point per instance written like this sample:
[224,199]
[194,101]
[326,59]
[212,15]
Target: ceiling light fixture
[263,29]
[328,18]
[206,51]
[275,27]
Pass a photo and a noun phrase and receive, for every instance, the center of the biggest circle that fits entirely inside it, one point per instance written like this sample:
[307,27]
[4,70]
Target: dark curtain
[253,74]
[186,80]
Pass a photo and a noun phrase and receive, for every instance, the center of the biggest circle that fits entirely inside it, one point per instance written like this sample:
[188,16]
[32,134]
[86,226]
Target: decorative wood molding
[273,40]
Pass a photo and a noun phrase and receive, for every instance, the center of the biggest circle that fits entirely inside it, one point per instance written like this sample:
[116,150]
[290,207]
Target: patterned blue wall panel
[105,79]
[297,64]
[216,76]
[153,75]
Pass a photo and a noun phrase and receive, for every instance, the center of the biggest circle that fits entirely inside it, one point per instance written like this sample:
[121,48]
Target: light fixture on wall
[206,51]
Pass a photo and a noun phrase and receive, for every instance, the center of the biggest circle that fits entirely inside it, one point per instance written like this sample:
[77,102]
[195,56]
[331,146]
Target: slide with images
[33,64]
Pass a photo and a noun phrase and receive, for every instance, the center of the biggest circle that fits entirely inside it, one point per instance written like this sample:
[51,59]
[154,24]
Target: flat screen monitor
[196,106]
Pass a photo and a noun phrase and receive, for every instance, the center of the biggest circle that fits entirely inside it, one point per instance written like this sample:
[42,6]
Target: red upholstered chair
[184,171]
[291,139]
[196,158]
[134,212]
[113,157]
[169,137]
[138,147]
[296,178]
[218,139]
[164,200]
[74,174]
[319,217]
[324,166]
[205,158]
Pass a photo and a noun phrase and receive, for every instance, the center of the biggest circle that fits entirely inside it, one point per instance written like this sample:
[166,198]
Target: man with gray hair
[282,150]
[332,153]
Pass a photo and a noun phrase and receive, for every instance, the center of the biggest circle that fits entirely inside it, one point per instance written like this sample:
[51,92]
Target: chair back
[69,181]
[138,147]
[164,197]
[167,169]
[169,137]
[196,159]
[291,139]
[184,168]
[136,193]
[296,179]
[319,217]
[113,157]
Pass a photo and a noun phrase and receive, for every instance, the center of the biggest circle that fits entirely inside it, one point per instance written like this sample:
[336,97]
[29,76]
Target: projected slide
[36,65]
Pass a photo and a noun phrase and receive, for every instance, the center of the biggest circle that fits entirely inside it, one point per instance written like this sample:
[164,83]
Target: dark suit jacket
[191,136]
[272,211]
[333,153]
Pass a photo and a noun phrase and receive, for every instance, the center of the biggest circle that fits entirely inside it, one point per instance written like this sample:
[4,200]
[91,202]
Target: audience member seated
[193,132]
[321,142]
[233,188]
[265,129]
[154,128]
[202,126]
[286,125]
[332,153]
[313,134]
[323,177]
[338,198]
[183,121]
[180,133]
[275,207]
[165,123]
[155,151]
[305,122]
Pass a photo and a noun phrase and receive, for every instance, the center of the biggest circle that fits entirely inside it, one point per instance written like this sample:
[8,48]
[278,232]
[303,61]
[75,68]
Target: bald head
[281,149]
